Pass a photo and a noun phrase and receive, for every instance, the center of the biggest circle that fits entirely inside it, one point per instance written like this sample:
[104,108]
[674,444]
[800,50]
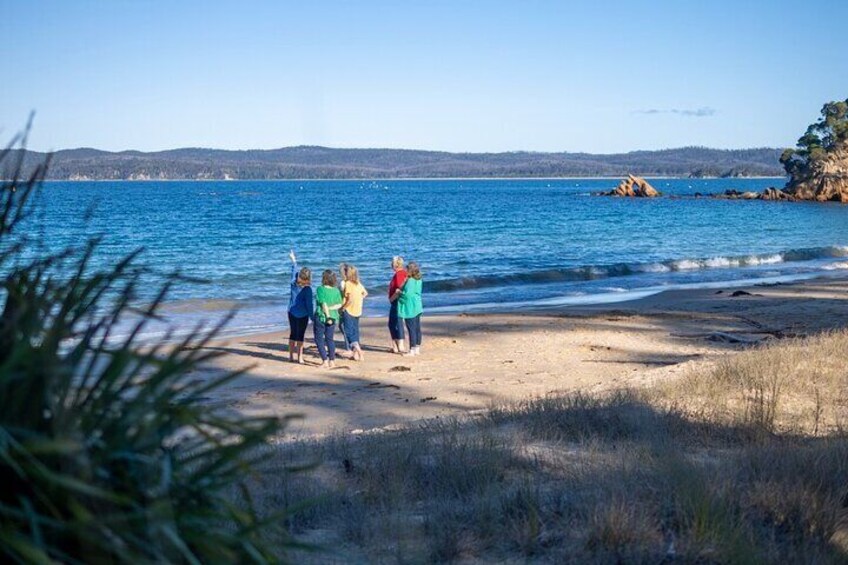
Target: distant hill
[308,162]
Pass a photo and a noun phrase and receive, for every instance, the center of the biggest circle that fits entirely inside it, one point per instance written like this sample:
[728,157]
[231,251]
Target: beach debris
[400,369]
[427,399]
[633,187]
[724,337]
[382,385]
[737,293]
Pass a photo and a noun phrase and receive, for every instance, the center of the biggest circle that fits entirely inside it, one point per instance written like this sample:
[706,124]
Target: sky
[596,76]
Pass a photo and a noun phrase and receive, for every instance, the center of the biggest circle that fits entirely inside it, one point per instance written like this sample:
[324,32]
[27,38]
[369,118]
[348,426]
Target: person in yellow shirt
[354,295]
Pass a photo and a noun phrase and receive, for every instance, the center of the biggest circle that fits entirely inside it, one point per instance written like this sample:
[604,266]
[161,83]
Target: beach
[471,362]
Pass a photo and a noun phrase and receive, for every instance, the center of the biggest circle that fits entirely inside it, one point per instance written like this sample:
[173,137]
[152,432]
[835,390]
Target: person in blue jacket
[300,307]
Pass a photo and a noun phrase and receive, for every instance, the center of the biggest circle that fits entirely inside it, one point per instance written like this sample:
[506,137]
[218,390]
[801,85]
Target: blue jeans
[350,328]
[324,340]
[395,323]
[413,326]
[343,330]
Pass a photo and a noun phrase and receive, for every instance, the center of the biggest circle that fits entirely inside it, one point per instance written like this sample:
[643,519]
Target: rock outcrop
[826,180]
[771,193]
[634,187]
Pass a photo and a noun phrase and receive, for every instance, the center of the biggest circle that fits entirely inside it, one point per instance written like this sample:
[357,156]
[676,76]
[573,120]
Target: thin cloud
[702,112]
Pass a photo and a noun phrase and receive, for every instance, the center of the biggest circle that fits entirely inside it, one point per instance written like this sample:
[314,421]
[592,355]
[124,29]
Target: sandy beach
[472,361]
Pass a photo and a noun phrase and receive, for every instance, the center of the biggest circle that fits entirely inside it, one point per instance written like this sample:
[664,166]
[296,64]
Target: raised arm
[293,258]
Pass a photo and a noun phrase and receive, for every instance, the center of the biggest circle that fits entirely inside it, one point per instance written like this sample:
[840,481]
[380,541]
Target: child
[342,279]
[300,308]
[395,286]
[410,307]
[354,295]
[328,300]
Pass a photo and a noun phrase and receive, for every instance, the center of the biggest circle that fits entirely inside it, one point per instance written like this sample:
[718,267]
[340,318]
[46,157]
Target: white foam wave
[767,259]
[652,268]
[686,265]
[721,263]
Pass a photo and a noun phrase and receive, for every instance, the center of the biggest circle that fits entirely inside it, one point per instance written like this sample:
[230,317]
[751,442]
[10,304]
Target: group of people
[338,302]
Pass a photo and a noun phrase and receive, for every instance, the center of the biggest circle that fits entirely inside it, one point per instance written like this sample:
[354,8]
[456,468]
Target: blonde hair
[413,270]
[397,262]
[343,270]
[352,274]
[304,277]
[328,278]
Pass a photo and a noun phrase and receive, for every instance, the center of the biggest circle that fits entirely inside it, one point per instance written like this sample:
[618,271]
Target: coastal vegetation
[818,165]
[742,462]
[109,450]
[328,163]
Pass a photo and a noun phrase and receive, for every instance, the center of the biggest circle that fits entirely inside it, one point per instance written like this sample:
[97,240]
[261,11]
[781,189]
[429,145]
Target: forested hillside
[307,162]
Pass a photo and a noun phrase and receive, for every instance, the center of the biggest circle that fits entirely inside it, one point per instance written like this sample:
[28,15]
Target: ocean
[482,244]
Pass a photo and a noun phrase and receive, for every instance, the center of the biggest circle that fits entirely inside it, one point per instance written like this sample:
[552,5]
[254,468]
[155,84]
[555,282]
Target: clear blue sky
[599,76]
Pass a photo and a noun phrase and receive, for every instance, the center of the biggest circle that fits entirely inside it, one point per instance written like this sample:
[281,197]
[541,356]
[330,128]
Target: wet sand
[472,361]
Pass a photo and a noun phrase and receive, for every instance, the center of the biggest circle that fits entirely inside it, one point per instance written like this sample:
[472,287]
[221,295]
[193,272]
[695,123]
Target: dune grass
[743,462]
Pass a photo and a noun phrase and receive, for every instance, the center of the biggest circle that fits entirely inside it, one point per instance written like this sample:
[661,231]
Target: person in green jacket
[328,301]
[410,307]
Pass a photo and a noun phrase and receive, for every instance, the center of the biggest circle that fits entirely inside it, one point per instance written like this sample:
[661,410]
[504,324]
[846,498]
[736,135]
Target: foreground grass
[745,462]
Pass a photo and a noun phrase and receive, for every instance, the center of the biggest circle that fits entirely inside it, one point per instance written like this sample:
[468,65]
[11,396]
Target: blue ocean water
[481,243]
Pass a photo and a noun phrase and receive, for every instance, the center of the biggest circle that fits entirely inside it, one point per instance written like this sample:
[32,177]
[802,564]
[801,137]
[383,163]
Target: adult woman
[354,294]
[300,307]
[395,286]
[328,300]
[410,307]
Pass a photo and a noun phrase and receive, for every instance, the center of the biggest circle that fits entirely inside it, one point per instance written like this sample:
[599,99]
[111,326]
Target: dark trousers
[324,340]
[297,327]
[413,326]
[395,323]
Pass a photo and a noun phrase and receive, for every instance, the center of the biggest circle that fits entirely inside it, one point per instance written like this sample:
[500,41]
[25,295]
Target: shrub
[108,452]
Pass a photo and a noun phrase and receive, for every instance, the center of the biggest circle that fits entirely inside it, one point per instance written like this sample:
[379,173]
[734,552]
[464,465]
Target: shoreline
[420,179]
[617,299]
[471,362]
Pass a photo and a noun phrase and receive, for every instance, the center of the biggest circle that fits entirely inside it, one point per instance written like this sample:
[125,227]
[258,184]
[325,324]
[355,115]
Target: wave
[594,272]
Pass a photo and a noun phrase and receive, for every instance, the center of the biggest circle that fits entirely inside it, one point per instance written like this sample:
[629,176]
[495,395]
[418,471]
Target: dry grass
[746,462]
[795,387]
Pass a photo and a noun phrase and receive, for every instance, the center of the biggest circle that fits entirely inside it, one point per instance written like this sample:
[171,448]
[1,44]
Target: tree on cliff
[818,166]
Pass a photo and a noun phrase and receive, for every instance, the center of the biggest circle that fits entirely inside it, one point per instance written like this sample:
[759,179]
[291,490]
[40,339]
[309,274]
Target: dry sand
[470,362]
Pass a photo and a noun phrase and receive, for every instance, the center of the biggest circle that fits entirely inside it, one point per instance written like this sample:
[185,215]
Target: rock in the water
[731,194]
[634,187]
[772,193]
[826,180]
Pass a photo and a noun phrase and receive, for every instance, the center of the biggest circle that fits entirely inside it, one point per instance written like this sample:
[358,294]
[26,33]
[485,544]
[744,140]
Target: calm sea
[482,244]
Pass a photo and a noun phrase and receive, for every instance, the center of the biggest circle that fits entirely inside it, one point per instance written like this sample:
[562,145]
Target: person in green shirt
[328,301]
[410,307]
